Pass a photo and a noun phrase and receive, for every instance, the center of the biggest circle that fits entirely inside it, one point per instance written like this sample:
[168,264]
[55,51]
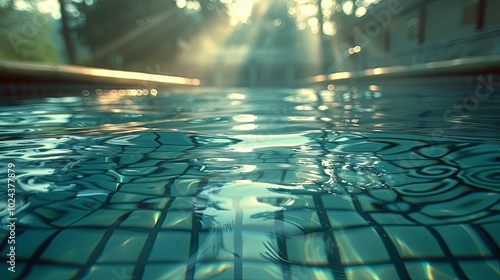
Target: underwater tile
[184,187]
[145,163]
[307,249]
[472,155]
[194,172]
[171,246]
[152,188]
[67,218]
[360,246]
[130,158]
[215,270]
[291,177]
[387,167]
[110,271]
[491,219]
[426,220]
[125,197]
[383,195]
[101,181]
[331,201]
[307,273]
[87,200]
[64,248]
[254,176]
[123,246]
[493,230]
[89,168]
[434,151]
[137,171]
[483,269]
[165,271]
[261,270]
[274,155]
[390,219]
[496,207]
[386,271]
[169,168]
[216,245]
[90,202]
[368,205]
[302,201]
[412,162]
[466,204]
[98,160]
[165,180]
[463,240]
[30,220]
[182,203]
[45,271]
[4,234]
[18,270]
[261,165]
[178,219]
[165,155]
[414,241]
[392,155]
[53,212]
[342,218]
[143,139]
[251,221]
[277,160]
[310,175]
[123,206]
[28,242]
[138,149]
[55,195]
[175,139]
[102,218]
[254,244]
[170,149]
[66,177]
[364,147]
[142,218]
[303,218]
[430,270]
[154,203]
[271,176]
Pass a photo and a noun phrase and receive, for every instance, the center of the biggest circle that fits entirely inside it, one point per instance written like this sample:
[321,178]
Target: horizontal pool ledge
[466,65]
[20,71]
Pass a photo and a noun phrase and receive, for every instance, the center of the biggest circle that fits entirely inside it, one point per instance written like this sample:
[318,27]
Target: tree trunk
[324,52]
[67,33]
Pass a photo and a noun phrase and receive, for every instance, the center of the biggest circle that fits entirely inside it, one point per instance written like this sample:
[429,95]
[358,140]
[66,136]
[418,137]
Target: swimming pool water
[361,182]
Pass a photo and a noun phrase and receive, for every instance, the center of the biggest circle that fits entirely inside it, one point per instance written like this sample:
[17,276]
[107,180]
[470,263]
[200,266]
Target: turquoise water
[362,182]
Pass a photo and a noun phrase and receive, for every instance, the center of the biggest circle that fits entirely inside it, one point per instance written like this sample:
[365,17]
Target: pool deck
[28,72]
[457,67]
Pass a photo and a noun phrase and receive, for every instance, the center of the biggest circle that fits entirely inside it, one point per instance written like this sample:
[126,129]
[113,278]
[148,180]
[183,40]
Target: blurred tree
[125,34]
[66,32]
[6,6]
[26,36]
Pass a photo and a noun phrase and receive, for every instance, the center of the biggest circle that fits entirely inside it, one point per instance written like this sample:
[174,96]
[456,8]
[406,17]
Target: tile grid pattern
[343,259]
[399,263]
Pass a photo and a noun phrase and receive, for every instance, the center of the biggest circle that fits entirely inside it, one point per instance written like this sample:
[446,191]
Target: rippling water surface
[364,183]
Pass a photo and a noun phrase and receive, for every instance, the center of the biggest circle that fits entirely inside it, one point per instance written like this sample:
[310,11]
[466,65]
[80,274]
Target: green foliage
[138,32]
[26,36]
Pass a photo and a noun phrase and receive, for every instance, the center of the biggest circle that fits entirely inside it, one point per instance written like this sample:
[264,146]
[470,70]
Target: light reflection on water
[316,183]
